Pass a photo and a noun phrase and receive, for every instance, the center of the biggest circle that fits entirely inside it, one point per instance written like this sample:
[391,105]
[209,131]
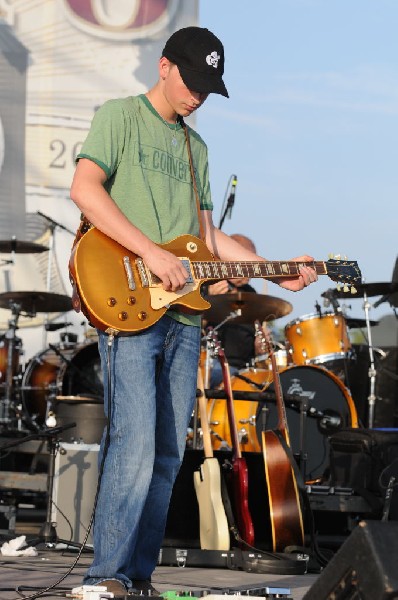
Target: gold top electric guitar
[118,292]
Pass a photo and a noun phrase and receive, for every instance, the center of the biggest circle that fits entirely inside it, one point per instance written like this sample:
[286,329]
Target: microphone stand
[372,370]
[228,210]
[230,202]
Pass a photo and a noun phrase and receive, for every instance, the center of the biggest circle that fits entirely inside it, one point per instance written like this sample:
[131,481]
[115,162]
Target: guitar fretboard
[267,269]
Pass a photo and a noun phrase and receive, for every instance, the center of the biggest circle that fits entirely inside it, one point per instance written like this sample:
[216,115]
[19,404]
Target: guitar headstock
[345,272]
[265,337]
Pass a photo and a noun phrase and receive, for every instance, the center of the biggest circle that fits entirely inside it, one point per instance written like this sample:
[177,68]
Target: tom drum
[318,340]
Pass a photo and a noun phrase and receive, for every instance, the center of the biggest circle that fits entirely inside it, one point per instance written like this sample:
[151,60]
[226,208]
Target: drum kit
[60,384]
[312,362]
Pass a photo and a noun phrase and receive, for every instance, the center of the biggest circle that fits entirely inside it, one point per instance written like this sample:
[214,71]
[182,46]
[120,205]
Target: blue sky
[311,131]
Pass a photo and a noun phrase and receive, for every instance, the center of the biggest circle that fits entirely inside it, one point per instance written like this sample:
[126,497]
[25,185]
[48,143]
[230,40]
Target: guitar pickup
[142,272]
[129,273]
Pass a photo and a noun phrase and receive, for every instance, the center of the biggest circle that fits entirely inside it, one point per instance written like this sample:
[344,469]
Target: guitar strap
[193,177]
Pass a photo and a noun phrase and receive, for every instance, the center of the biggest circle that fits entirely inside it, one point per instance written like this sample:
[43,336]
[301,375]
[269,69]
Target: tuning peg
[337,256]
[338,287]
[353,290]
[330,255]
[346,288]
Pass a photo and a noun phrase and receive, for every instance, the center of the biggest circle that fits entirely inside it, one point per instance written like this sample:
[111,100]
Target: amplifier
[75,484]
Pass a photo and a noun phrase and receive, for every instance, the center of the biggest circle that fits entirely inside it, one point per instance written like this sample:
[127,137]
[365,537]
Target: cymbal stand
[52,226]
[372,370]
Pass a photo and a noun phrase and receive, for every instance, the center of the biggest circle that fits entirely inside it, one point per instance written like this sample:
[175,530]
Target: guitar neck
[230,406]
[204,423]
[280,404]
[217,269]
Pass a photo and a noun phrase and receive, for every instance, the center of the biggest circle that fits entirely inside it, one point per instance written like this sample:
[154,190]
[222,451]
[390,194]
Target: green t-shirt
[148,173]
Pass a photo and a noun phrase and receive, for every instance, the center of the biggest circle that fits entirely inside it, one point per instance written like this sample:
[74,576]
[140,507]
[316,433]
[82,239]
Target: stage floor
[23,576]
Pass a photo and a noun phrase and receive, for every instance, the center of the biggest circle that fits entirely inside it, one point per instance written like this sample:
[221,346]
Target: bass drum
[247,380]
[67,382]
[330,407]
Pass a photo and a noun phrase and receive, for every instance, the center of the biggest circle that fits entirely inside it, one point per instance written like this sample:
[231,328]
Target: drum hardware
[52,225]
[7,404]
[365,290]
[56,326]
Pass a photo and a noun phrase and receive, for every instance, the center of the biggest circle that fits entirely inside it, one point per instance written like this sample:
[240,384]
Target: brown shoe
[115,586]
[143,587]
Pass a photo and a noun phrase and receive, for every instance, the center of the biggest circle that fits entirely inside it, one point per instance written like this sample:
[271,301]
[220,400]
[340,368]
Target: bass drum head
[326,395]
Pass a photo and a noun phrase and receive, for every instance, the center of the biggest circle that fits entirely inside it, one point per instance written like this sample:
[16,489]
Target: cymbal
[33,302]
[371,289]
[252,306]
[354,323]
[8,246]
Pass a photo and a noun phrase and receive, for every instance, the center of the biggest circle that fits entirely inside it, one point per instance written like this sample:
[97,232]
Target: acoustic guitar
[118,292]
[240,477]
[213,524]
[284,500]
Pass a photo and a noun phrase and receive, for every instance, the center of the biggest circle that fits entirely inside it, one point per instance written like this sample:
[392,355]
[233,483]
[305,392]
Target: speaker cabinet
[75,484]
[365,567]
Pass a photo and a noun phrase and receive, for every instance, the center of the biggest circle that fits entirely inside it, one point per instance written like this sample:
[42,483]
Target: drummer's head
[249,245]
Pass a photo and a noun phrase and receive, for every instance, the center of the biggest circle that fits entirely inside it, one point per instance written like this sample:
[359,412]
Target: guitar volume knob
[123,316]
[111,301]
[142,315]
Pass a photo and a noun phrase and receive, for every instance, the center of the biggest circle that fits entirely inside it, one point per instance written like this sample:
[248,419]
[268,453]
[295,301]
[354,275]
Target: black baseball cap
[199,56]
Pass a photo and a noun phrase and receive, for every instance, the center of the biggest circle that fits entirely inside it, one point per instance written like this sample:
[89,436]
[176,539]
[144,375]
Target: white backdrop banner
[60,60]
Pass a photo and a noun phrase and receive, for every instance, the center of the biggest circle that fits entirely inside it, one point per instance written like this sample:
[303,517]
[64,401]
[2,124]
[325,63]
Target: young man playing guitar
[133,183]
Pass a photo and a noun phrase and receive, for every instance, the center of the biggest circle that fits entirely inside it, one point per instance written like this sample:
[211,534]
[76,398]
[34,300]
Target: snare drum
[67,381]
[318,340]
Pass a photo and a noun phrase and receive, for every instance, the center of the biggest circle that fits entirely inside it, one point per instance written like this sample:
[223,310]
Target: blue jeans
[153,387]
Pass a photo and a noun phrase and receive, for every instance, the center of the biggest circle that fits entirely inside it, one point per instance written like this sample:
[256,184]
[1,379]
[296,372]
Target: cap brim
[203,83]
